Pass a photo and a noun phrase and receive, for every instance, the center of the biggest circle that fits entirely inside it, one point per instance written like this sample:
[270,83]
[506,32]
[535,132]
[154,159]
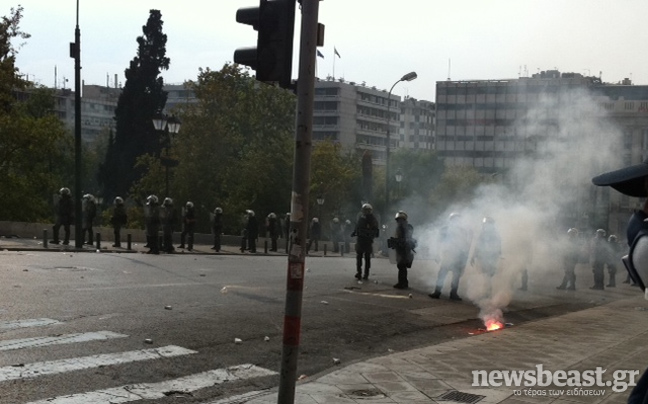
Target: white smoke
[535,201]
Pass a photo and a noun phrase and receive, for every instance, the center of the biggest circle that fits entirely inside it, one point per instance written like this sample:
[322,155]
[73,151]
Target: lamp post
[320,202]
[408,77]
[399,178]
[170,126]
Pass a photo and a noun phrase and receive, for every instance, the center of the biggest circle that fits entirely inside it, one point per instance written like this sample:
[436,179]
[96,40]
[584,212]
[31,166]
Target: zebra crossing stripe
[153,391]
[13,344]
[32,370]
[35,322]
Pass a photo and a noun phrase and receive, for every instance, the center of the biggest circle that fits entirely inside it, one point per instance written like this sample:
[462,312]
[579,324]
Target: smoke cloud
[568,138]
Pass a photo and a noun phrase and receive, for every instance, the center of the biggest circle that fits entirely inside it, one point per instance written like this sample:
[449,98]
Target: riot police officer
[64,216]
[315,234]
[188,225]
[613,258]
[252,230]
[404,243]
[570,255]
[455,243]
[488,247]
[217,228]
[89,214]
[366,229]
[598,250]
[170,218]
[272,226]
[118,219]
[152,214]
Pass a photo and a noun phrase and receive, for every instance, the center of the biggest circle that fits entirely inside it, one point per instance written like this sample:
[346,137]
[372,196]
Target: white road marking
[35,322]
[153,391]
[32,370]
[13,344]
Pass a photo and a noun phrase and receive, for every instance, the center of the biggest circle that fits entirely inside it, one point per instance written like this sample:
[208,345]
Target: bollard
[286,245]
[44,238]
[265,246]
[129,238]
[341,247]
[98,238]
[325,248]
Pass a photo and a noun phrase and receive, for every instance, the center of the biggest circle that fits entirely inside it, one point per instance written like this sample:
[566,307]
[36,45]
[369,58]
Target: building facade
[492,125]
[361,118]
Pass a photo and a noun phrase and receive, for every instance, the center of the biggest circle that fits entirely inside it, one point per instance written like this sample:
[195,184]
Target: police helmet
[367,208]
[168,201]
[347,221]
[190,205]
[336,220]
[64,191]
[88,197]
[612,238]
[454,215]
[152,200]
[488,219]
[315,220]
[218,210]
[272,215]
[401,215]
[572,231]
[600,233]
[119,200]
[250,212]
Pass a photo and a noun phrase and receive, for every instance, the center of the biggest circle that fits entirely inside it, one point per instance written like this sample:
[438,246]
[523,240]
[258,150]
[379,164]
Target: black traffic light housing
[272,57]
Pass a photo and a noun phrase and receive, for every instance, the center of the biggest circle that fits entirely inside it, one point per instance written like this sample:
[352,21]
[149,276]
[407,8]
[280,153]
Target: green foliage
[234,149]
[336,176]
[457,187]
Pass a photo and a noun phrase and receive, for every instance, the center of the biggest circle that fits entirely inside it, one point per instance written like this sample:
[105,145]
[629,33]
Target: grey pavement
[610,336]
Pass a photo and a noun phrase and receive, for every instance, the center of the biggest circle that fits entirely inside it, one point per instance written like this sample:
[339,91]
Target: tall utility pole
[299,201]
[75,52]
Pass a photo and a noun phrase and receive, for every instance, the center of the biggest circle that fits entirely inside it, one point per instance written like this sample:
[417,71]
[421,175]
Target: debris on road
[266,338]
[324,302]
[336,361]
[148,341]
[224,290]
[168,308]
[302,377]
[238,341]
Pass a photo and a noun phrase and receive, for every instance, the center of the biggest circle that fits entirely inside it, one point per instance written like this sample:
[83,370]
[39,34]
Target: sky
[378,41]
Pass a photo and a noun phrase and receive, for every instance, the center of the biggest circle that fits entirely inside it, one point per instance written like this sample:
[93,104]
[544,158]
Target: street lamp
[320,202]
[170,126]
[399,178]
[408,77]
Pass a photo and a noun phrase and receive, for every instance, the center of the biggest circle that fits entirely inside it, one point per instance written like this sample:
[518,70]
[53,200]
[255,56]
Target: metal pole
[386,211]
[166,172]
[299,202]
[78,235]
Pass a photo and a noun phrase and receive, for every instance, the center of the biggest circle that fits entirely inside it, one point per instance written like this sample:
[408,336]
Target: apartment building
[359,117]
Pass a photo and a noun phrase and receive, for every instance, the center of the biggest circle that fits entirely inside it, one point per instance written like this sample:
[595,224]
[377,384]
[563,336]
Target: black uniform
[273,230]
[315,234]
[366,230]
[118,219]
[89,214]
[64,217]
[599,256]
[570,257]
[188,227]
[217,229]
[404,244]
[170,219]
[153,227]
[252,231]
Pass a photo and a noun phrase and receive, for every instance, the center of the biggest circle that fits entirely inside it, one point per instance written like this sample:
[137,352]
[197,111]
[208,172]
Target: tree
[235,149]
[457,187]
[141,99]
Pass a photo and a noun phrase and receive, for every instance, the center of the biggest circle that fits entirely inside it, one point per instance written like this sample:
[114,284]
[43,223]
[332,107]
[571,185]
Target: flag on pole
[319,54]
[336,52]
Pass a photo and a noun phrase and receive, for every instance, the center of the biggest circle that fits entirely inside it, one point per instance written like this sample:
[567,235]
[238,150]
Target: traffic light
[272,57]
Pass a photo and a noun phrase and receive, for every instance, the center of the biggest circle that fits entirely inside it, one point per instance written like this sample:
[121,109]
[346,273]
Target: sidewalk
[36,244]
[611,336]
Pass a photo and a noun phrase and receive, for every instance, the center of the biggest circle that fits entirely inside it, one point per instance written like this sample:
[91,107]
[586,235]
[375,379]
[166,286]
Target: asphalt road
[202,303]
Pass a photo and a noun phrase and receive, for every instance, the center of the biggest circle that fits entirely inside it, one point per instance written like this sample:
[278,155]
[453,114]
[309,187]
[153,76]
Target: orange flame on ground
[492,325]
